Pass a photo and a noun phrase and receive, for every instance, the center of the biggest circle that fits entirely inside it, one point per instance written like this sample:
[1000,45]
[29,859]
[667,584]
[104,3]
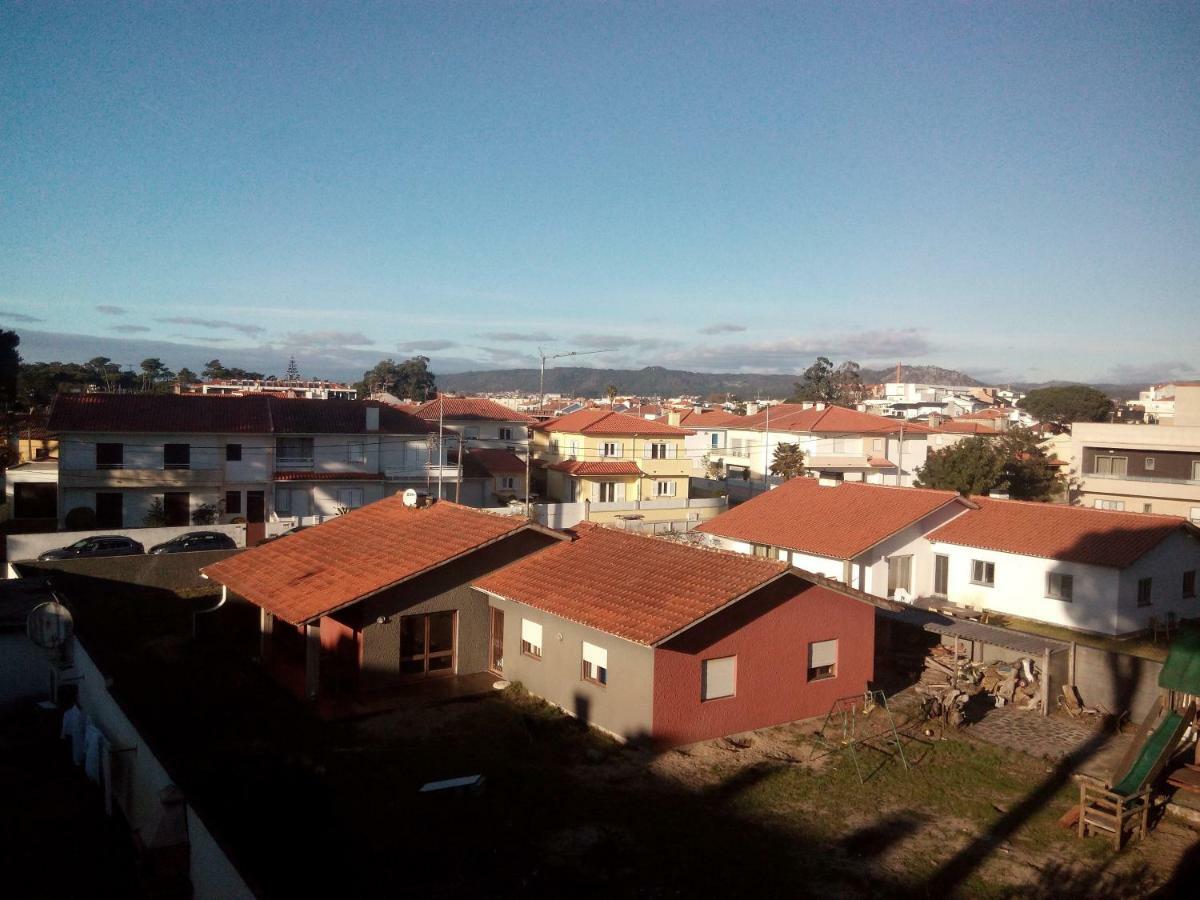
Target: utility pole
[458,484]
[441,453]
[546,356]
[767,447]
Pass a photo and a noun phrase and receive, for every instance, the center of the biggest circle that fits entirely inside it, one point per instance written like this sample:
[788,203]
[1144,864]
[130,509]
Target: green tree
[154,373]
[971,466]
[214,371]
[10,368]
[848,388]
[817,383]
[787,461]
[410,379]
[1067,403]
[186,376]
[156,514]
[1027,469]
[611,391]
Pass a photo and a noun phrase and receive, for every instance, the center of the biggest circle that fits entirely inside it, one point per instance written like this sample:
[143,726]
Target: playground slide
[1156,752]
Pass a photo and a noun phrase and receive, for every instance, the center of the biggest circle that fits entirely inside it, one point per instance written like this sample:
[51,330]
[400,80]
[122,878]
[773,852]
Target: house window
[877,445]
[508,483]
[610,448]
[664,488]
[471,432]
[595,664]
[983,573]
[1196,470]
[1060,586]
[822,660]
[607,491]
[718,678]
[233,503]
[350,498]
[1144,585]
[1194,515]
[1149,463]
[233,453]
[1189,583]
[354,453]
[1112,465]
[283,501]
[294,449]
[941,575]
[715,437]
[506,434]
[762,550]
[531,639]
[1110,504]
[1147,507]
[656,451]
[177,456]
[110,456]
[899,574]
[110,510]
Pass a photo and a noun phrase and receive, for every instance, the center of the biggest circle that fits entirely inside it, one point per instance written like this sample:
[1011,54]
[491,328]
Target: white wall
[137,501]
[30,546]
[1020,588]
[138,778]
[1165,564]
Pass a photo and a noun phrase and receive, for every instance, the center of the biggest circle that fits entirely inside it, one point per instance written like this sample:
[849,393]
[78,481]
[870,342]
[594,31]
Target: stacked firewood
[947,684]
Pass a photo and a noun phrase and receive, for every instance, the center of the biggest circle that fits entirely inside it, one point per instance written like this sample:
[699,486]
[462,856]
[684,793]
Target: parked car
[196,540]
[99,545]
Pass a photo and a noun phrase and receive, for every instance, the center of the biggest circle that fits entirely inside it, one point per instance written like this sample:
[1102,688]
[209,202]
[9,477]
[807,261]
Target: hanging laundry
[74,729]
[96,748]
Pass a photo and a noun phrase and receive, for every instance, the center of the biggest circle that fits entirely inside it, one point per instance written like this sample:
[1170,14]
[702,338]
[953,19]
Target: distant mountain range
[576,381]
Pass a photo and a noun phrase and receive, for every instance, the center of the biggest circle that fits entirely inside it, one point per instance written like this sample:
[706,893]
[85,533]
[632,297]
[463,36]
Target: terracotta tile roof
[602,421]
[640,588]
[318,570]
[987,414]
[470,408]
[957,426]
[209,414]
[328,476]
[830,420]
[490,462]
[838,522]
[576,467]
[1095,537]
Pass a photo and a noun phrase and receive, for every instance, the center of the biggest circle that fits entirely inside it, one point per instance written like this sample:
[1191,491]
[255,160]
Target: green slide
[1155,751]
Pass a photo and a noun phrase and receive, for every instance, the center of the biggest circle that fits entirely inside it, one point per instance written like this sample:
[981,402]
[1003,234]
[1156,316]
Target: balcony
[1147,478]
[293,463]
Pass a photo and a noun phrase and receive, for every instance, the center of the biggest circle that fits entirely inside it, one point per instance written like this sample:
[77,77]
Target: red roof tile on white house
[601,421]
[793,417]
[470,408]
[838,521]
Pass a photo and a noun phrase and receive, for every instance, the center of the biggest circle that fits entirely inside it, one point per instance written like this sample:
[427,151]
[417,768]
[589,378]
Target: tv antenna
[545,356]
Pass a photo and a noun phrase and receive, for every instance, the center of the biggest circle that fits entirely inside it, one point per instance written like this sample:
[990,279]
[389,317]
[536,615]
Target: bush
[204,514]
[156,514]
[81,518]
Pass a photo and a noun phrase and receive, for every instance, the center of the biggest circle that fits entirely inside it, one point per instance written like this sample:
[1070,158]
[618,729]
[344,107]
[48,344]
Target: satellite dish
[410,498]
[902,596]
[49,625]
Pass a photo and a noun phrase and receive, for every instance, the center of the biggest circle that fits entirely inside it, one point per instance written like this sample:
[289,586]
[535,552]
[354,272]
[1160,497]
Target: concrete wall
[29,546]
[138,778]
[623,707]
[24,672]
[769,633]
[1116,681]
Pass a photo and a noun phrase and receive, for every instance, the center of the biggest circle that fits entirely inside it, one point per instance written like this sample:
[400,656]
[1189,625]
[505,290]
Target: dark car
[196,540]
[100,545]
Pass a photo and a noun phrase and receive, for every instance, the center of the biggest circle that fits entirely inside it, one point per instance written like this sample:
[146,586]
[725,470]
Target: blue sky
[1008,189]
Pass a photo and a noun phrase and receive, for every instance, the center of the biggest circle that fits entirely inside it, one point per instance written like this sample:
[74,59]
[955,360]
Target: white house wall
[1165,564]
[1020,588]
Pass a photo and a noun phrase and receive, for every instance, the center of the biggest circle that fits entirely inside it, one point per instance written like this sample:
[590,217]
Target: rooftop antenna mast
[545,356]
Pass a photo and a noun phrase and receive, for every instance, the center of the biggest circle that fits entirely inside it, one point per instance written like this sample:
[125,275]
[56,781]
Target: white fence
[567,515]
[30,546]
[136,782]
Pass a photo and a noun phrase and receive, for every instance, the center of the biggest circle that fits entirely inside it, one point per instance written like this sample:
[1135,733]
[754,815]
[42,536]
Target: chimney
[806,405]
[828,482]
[820,405]
[372,418]
[673,418]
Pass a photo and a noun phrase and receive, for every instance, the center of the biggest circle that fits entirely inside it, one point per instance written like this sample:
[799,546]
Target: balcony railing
[293,463]
[1150,478]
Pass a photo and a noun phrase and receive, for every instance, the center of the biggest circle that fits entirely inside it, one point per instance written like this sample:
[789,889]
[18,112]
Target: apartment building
[709,435]
[837,442]
[481,423]
[1141,468]
[255,458]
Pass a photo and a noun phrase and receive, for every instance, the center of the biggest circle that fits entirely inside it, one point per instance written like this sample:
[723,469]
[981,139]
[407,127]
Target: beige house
[624,468]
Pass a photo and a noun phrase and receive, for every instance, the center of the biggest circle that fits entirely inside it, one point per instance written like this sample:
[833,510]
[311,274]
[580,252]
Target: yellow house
[613,458]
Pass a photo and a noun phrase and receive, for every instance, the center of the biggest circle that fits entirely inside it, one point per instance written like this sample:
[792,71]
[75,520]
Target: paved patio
[1052,737]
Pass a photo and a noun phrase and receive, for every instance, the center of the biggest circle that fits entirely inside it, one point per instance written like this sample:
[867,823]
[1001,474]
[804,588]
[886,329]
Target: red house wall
[769,633]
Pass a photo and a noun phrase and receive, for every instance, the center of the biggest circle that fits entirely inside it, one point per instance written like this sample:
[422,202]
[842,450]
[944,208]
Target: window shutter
[619,493]
[617,449]
[648,450]
[595,492]
[671,451]
[718,678]
[597,656]
[822,653]
[531,632]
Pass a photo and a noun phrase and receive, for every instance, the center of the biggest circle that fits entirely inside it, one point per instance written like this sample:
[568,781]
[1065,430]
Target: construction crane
[546,356]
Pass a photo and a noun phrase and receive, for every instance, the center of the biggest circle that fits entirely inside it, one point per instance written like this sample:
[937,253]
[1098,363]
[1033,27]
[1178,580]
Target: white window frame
[979,575]
[705,679]
[1066,586]
[1114,505]
[822,655]
[664,488]
[606,487]
[356,453]
[283,500]
[507,483]
[716,440]
[531,639]
[594,664]
[610,449]
[506,433]
[471,432]
[1149,462]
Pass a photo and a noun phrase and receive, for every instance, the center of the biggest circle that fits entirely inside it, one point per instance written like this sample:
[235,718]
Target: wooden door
[496,646]
[428,644]
[256,517]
